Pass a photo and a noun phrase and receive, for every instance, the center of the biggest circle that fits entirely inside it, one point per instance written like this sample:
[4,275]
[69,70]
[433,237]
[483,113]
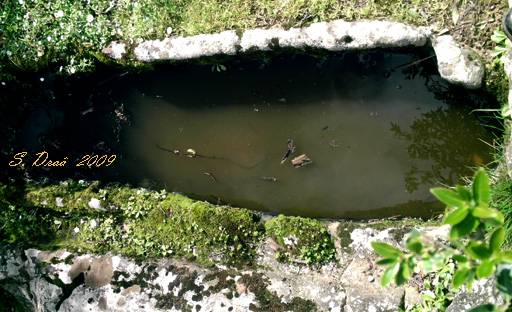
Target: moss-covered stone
[301,239]
[141,222]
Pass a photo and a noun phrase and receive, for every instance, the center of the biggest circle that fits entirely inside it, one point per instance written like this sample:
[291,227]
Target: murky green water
[379,135]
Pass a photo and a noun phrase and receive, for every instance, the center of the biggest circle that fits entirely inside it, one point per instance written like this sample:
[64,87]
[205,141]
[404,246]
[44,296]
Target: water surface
[379,132]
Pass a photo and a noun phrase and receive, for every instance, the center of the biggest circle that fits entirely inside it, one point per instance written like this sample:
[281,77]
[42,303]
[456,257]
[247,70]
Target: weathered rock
[482,292]
[336,35]
[456,64]
[100,272]
[115,50]
[412,297]
[366,296]
[362,240]
[182,48]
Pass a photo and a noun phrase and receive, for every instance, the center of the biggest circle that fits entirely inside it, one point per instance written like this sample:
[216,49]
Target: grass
[68,36]
[502,199]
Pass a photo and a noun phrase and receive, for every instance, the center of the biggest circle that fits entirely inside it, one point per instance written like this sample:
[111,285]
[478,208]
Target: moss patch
[302,239]
[144,223]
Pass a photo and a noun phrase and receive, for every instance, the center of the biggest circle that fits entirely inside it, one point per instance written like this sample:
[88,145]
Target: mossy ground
[88,217]
[142,223]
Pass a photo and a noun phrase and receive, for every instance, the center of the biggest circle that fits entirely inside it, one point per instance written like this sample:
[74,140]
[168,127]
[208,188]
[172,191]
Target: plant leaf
[478,250]
[464,193]
[497,239]
[506,256]
[484,212]
[463,228]
[404,274]
[448,197]
[460,277]
[484,308]
[481,188]
[386,261]
[413,242]
[389,274]
[386,250]
[485,269]
[456,216]
[504,279]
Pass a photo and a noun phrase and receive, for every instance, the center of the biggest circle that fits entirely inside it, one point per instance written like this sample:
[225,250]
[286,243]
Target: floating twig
[290,150]
[270,179]
[210,175]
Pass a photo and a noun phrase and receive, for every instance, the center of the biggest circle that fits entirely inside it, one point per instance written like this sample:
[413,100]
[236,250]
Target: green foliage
[70,35]
[502,44]
[501,199]
[437,291]
[302,239]
[19,223]
[476,236]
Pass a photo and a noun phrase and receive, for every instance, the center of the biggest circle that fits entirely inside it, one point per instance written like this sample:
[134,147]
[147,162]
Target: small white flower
[3,83]
[168,30]
[49,38]
[93,223]
[41,79]
[95,203]
[59,14]
[89,18]
[76,230]
[59,202]
[22,2]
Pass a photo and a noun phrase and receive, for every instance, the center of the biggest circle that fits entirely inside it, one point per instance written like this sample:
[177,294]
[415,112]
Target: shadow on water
[380,128]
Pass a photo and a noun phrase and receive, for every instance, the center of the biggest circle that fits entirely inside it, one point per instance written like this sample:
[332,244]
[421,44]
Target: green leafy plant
[502,44]
[475,240]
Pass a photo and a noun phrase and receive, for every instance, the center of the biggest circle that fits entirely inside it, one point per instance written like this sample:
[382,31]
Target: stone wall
[456,64]
[62,281]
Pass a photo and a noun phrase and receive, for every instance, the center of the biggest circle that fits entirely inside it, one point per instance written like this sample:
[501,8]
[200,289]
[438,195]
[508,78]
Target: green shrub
[302,239]
[476,238]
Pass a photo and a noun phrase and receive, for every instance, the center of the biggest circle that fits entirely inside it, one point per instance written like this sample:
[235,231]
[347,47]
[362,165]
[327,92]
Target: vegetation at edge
[137,222]
[68,36]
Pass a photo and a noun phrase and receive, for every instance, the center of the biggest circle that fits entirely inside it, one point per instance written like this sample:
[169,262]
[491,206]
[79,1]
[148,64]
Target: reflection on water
[448,139]
[337,109]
